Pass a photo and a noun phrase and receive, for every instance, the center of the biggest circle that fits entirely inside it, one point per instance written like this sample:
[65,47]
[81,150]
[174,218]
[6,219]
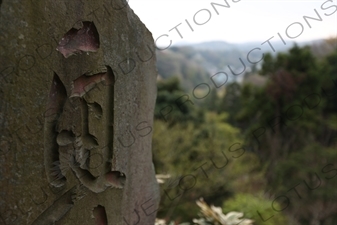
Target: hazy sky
[241,21]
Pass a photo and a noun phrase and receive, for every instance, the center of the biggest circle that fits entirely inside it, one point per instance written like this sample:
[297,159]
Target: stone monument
[77,95]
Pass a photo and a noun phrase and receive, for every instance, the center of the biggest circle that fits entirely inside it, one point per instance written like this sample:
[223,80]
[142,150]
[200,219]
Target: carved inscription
[56,101]
[78,130]
[78,146]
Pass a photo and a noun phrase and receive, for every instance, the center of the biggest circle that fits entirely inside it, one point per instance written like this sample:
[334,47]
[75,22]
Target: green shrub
[252,206]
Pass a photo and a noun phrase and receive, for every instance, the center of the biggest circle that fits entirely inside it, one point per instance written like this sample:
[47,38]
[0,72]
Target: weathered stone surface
[76,122]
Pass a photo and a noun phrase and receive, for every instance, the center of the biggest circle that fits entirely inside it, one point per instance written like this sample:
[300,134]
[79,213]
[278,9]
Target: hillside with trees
[265,146]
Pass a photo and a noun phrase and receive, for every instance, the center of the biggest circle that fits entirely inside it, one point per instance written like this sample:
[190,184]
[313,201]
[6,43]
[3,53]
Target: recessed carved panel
[100,215]
[84,39]
[77,146]
[83,148]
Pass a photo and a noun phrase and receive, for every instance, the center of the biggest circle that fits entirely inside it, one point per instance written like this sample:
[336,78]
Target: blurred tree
[291,123]
[231,102]
[173,106]
[211,101]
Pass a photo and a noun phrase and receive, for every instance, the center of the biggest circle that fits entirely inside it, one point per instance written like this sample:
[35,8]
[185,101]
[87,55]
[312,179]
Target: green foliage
[290,122]
[316,175]
[257,208]
[286,105]
[211,101]
[329,68]
[268,64]
[261,137]
[172,104]
[231,102]
[187,147]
